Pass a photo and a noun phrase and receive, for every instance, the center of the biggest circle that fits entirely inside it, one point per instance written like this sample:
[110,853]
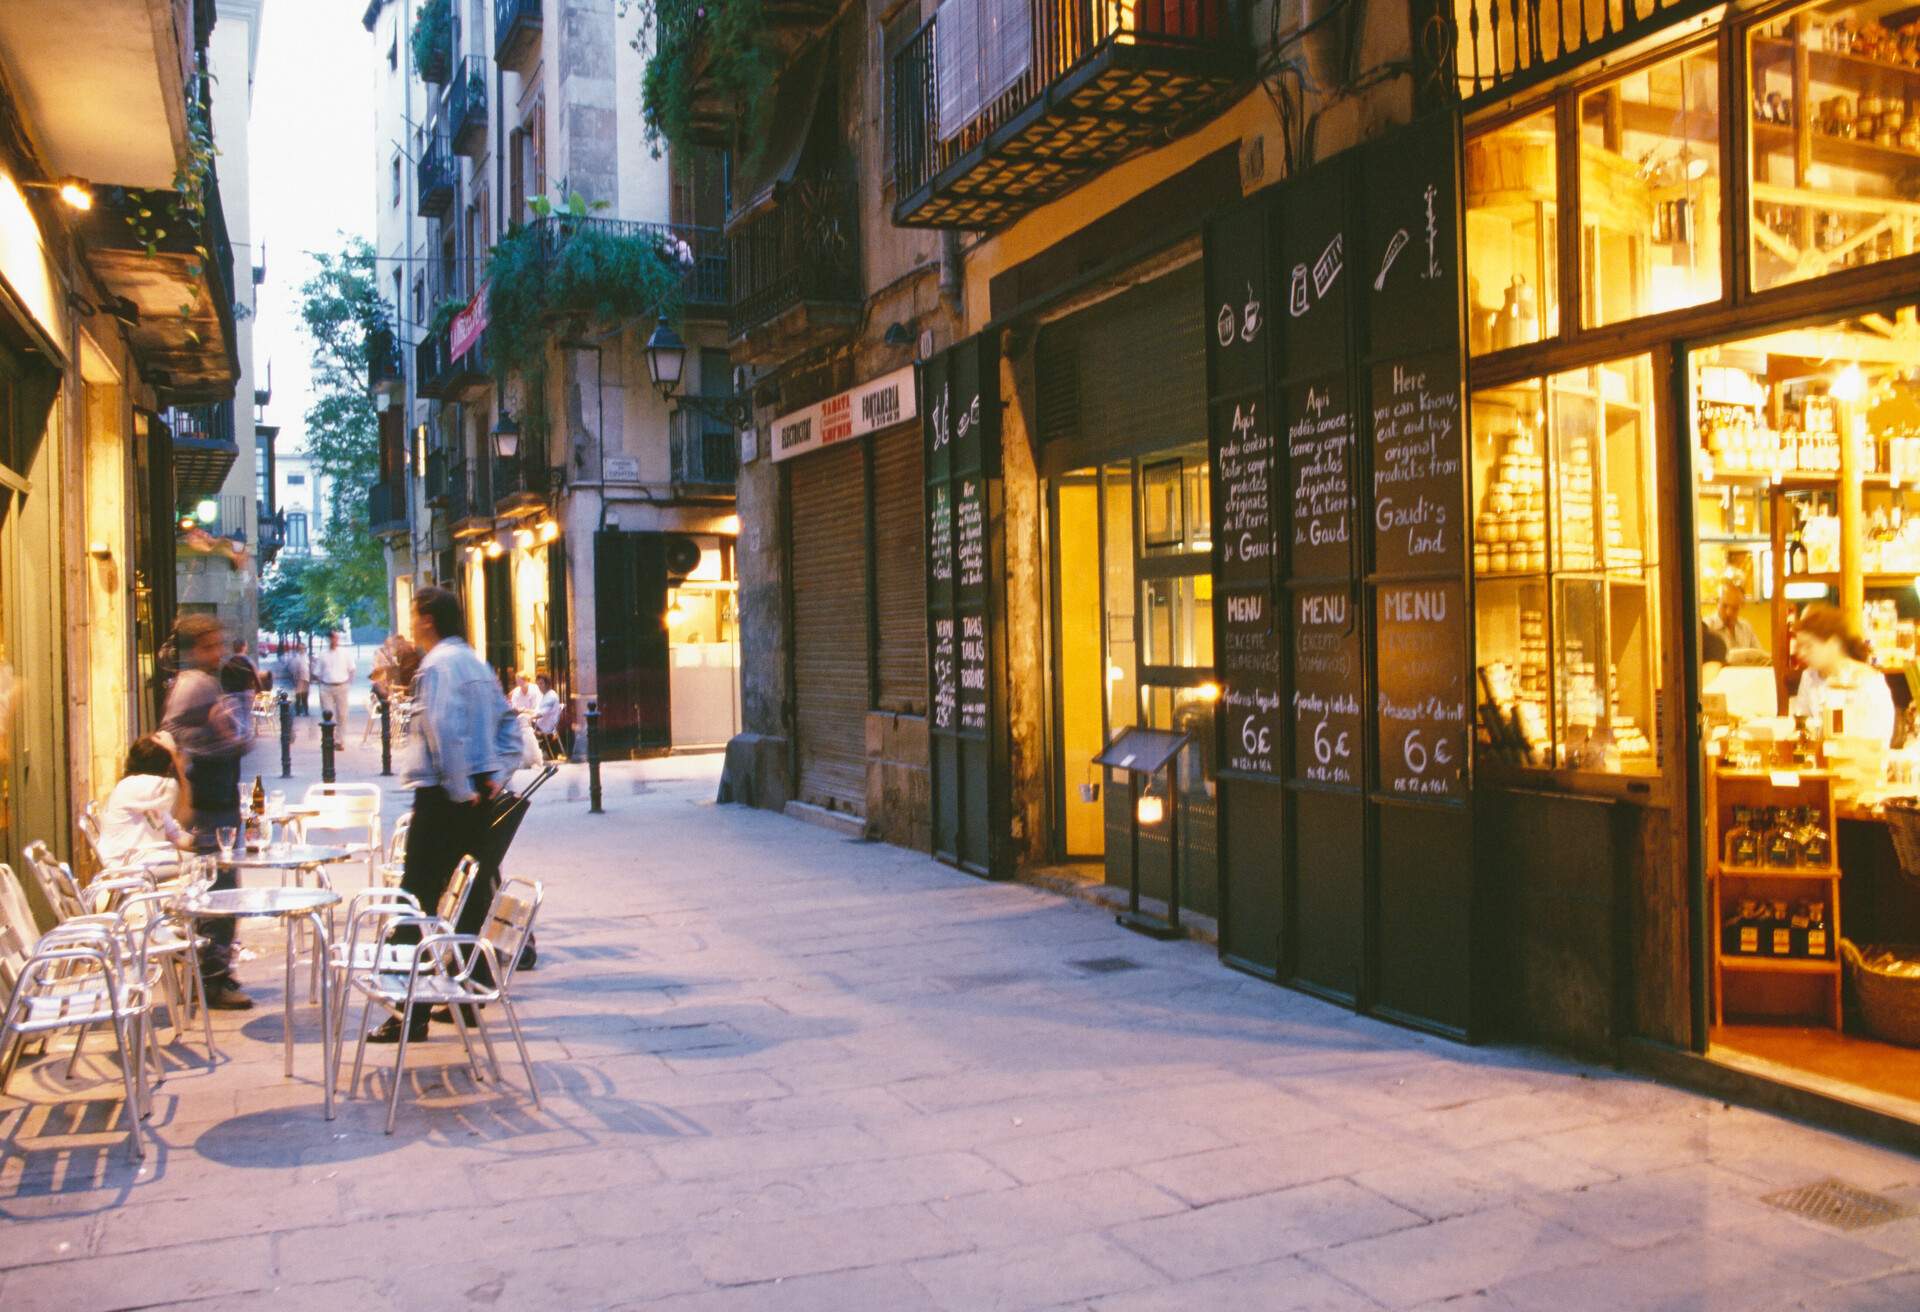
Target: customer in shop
[212,731]
[1838,683]
[1726,621]
[333,670]
[464,745]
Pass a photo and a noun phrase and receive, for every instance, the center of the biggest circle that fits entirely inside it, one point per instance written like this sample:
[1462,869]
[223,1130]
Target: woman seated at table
[1838,689]
[137,824]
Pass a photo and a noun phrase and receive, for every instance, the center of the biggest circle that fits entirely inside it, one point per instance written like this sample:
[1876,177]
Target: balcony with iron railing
[702,251]
[796,268]
[1000,106]
[466,108]
[705,454]
[437,177]
[516,33]
[470,496]
[272,531]
[471,371]
[387,508]
[432,374]
[384,371]
[434,480]
[523,481]
[203,448]
[1505,46]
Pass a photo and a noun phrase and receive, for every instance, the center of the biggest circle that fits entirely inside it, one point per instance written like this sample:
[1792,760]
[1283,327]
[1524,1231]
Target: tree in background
[340,306]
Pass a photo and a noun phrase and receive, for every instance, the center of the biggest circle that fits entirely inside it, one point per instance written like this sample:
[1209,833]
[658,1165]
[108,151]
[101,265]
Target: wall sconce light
[99,551]
[549,530]
[493,550]
[523,538]
[74,191]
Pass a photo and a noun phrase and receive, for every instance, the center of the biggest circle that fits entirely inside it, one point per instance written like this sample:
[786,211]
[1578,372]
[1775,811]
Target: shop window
[1650,190]
[1512,214]
[1565,569]
[1836,143]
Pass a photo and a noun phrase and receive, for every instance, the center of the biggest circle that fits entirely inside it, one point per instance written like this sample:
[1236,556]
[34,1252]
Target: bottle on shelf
[1818,942]
[1816,844]
[1783,847]
[1742,848]
[1780,931]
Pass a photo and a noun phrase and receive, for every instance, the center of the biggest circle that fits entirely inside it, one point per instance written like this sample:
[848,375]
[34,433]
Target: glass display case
[1565,566]
[1836,139]
[1512,217]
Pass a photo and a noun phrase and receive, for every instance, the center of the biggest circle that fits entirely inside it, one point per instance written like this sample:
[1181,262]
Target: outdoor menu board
[1418,499]
[1319,435]
[1243,492]
[1328,727]
[1250,699]
[1236,278]
[945,693]
[1312,281]
[1422,696]
[973,673]
[939,541]
[970,538]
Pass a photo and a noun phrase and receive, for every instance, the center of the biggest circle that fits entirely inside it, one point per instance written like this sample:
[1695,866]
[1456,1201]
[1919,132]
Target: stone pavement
[785,1070]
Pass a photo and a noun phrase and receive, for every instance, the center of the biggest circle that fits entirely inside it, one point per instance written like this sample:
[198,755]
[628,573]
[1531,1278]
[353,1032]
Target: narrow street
[783,1069]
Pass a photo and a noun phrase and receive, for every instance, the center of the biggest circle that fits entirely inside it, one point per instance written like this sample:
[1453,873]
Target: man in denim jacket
[462,751]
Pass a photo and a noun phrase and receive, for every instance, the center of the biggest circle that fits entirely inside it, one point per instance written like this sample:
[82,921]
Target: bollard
[593,759]
[386,736]
[326,746]
[286,735]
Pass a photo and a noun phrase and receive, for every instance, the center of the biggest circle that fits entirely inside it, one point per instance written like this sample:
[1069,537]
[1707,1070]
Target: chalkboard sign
[944,676]
[970,539]
[1422,697]
[1236,244]
[1328,725]
[1243,470]
[939,542]
[1311,282]
[1419,519]
[1250,703]
[1320,464]
[1410,228]
[973,673]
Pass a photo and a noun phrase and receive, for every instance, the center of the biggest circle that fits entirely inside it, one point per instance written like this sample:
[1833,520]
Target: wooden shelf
[1773,872]
[1846,152]
[1834,66]
[1782,965]
[1872,580]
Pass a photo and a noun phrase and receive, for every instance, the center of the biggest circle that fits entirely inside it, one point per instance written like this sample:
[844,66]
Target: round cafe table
[289,906]
[297,857]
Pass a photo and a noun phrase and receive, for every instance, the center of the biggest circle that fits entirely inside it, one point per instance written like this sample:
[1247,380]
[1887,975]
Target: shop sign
[467,325]
[879,403]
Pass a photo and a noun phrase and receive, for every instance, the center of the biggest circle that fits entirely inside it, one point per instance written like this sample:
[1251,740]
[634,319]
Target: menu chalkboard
[1412,262]
[1312,280]
[1250,683]
[973,673]
[1327,722]
[1422,688]
[1243,491]
[939,540]
[1236,289]
[970,538]
[1418,500]
[945,678]
[1319,430]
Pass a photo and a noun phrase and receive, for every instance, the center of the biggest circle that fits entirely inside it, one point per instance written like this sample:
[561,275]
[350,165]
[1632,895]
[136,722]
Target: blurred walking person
[333,670]
[299,676]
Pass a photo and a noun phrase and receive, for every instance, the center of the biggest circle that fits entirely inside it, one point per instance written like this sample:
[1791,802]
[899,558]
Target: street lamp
[506,436]
[667,364]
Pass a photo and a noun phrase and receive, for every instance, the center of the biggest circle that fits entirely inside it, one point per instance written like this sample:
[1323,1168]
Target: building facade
[105,330]
[531,244]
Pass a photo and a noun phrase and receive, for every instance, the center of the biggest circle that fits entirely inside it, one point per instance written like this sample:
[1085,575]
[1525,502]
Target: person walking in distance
[299,676]
[212,732]
[464,745]
[333,670]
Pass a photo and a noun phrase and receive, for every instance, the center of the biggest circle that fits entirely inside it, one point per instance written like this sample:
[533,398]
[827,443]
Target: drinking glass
[226,836]
[276,802]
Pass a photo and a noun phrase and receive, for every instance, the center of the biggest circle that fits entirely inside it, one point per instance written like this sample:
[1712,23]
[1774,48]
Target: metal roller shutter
[825,491]
[900,572]
[1129,375]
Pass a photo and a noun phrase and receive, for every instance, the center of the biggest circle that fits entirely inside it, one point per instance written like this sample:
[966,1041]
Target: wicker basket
[1903,825]
[1889,1004]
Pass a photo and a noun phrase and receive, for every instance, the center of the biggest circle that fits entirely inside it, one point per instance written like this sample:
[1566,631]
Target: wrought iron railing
[703,251]
[386,507]
[383,358]
[202,423]
[430,366]
[437,176]
[1061,37]
[1503,46]
[804,247]
[467,98]
[273,529]
[435,480]
[704,451]
[512,21]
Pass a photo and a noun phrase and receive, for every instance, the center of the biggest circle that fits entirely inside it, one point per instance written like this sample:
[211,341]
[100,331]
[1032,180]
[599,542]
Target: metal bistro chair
[63,892]
[76,977]
[443,972]
[349,807]
[363,950]
[396,863]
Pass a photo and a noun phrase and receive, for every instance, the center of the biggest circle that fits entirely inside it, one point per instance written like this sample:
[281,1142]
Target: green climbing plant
[444,314]
[156,216]
[719,48]
[432,39]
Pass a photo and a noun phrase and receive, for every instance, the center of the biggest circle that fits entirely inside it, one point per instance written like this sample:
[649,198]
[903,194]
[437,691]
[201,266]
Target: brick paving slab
[784,1070]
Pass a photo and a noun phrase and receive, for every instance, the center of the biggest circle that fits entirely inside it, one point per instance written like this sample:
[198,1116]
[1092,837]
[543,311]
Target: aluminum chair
[443,972]
[395,865]
[349,807]
[76,977]
[64,895]
[362,951]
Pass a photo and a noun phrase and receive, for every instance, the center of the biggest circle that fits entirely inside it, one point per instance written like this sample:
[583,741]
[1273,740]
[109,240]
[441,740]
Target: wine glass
[226,836]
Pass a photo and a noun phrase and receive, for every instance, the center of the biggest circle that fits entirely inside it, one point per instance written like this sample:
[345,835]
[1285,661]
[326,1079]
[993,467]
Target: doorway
[1133,645]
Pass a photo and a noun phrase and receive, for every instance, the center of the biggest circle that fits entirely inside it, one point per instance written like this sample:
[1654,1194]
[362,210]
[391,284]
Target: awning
[795,101]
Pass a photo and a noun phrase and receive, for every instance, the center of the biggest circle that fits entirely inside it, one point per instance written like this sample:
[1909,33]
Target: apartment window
[698,196]
[399,300]
[517,176]
[296,480]
[297,532]
[537,140]
[395,172]
[419,298]
[894,35]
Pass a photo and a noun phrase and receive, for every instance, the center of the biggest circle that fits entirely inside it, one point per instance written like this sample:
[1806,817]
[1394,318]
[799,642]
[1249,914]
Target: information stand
[1143,753]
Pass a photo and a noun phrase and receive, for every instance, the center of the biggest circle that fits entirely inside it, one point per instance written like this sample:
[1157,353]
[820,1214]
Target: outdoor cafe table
[289,906]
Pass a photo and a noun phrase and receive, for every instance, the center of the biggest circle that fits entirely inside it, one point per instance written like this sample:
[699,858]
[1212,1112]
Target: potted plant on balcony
[433,40]
[701,49]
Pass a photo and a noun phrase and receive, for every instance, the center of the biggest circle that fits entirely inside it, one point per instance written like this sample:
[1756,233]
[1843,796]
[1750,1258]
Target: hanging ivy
[696,49]
[153,216]
[444,314]
[432,39]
